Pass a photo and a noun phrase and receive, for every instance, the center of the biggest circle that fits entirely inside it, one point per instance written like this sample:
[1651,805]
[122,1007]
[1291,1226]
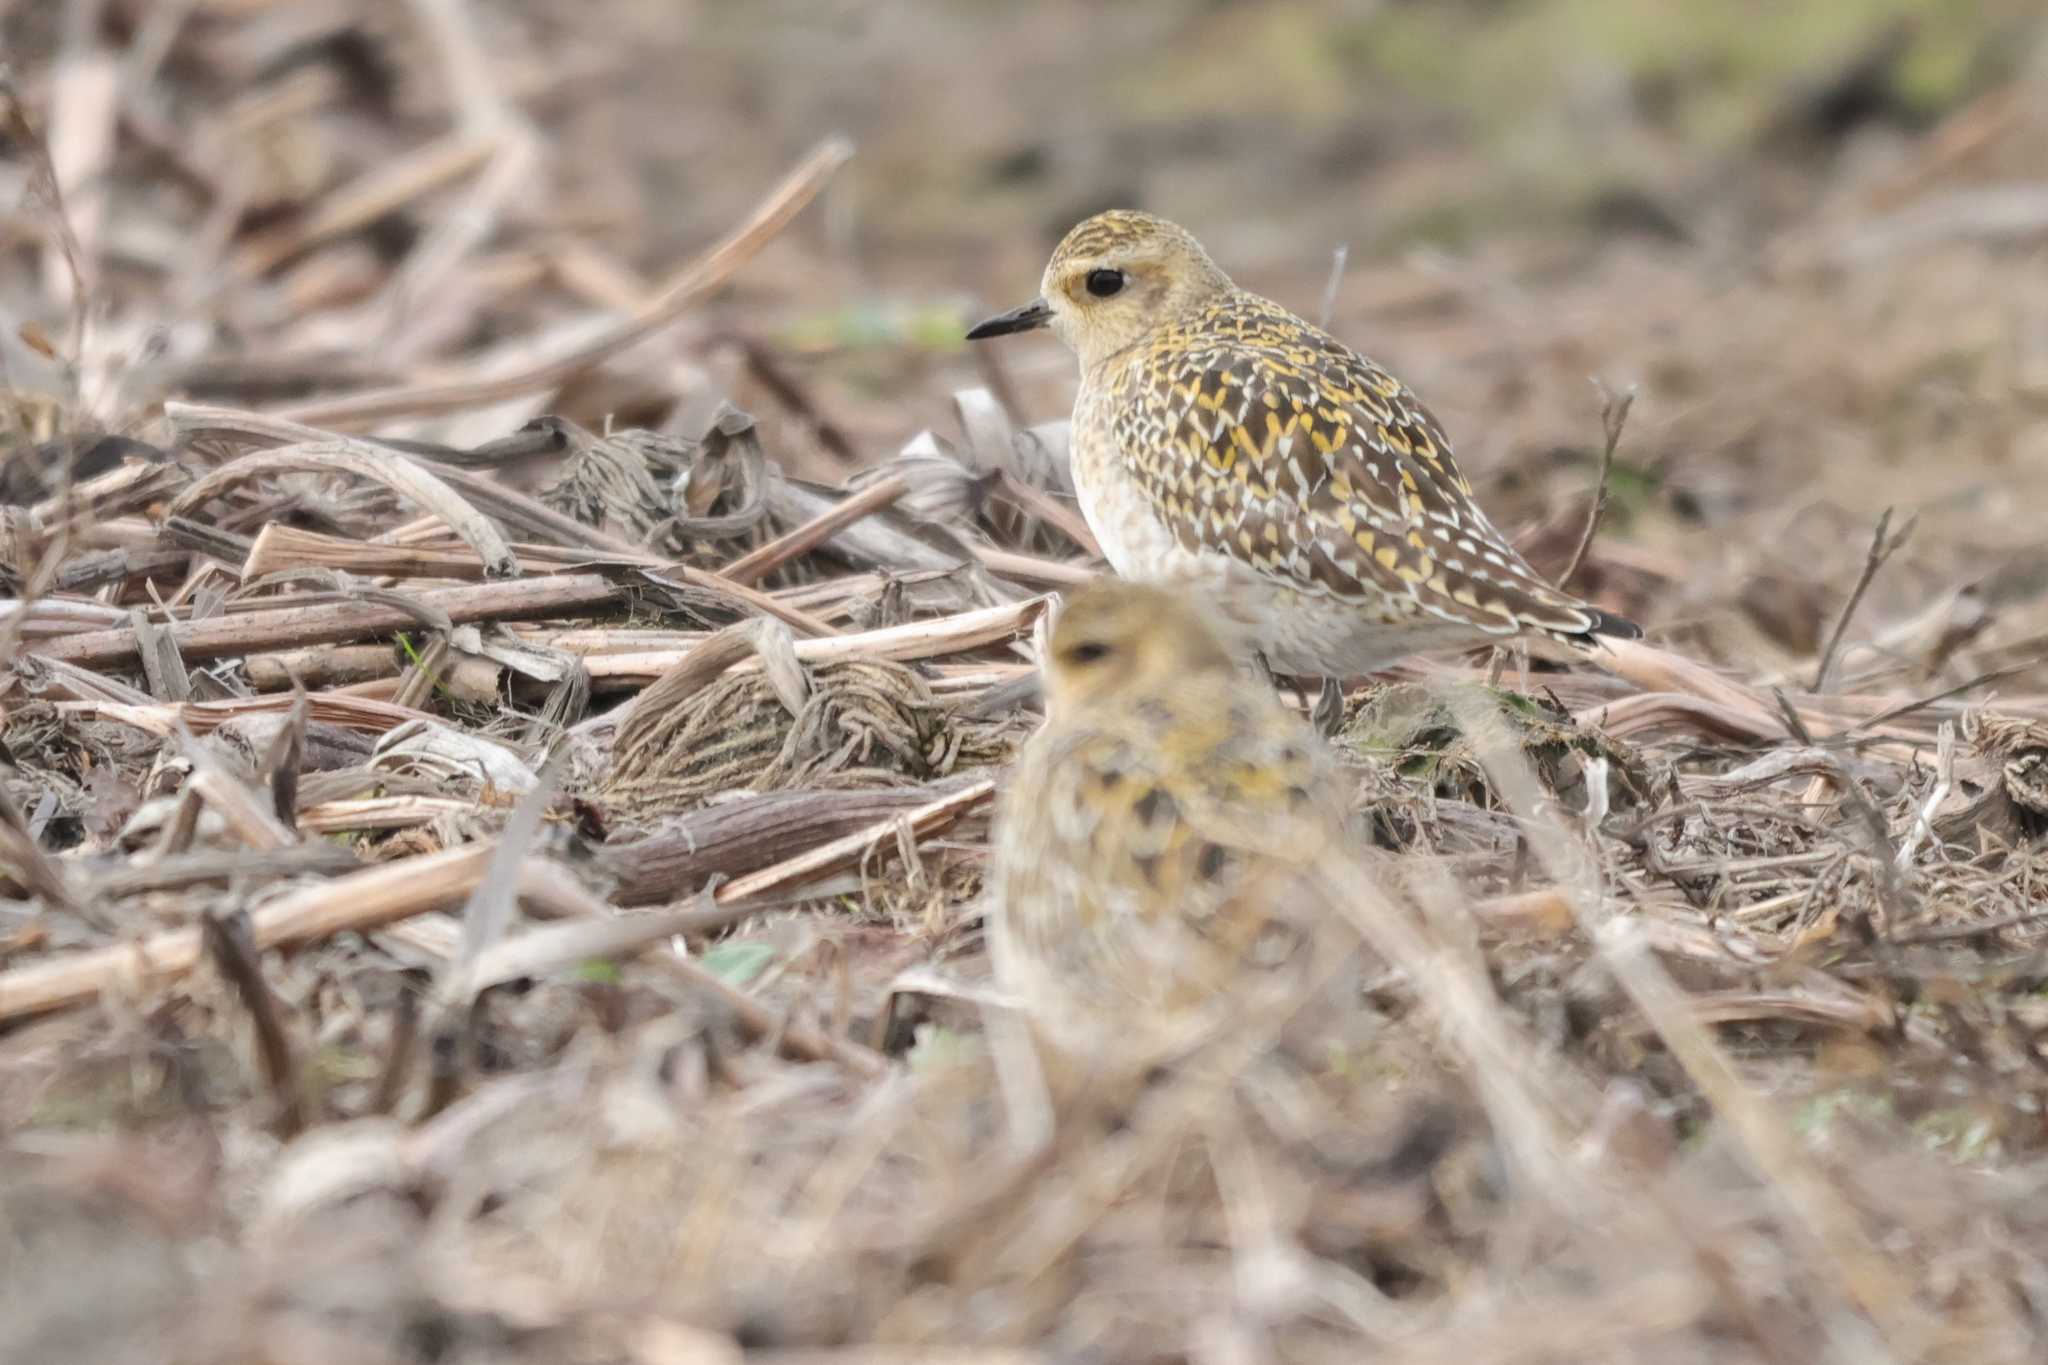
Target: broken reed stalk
[279,549]
[679,294]
[394,891]
[339,622]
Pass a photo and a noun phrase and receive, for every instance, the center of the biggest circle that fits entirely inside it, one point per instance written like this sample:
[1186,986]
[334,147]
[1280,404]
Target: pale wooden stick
[335,707]
[918,640]
[1032,569]
[362,900]
[1047,508]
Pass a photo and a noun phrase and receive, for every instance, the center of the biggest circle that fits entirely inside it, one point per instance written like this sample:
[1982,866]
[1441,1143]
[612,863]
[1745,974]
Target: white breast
[1301,632]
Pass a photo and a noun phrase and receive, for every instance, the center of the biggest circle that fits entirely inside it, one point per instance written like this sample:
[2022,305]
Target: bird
[1154,850]
[1222,442]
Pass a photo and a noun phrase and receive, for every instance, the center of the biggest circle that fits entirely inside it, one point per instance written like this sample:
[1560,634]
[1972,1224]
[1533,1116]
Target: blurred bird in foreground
[1219,438]
[1153,849]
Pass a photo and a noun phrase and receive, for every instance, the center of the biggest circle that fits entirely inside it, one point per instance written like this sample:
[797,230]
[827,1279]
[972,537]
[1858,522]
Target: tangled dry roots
[866,722]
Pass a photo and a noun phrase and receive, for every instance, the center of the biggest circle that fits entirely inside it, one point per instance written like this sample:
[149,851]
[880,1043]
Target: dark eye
[1088,652]
[1103,283]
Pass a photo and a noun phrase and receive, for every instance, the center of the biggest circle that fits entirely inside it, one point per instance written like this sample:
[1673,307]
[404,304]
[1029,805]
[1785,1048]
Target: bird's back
[1258,439]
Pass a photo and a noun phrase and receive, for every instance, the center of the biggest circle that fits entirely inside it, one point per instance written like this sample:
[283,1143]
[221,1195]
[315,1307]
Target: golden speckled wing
[1146,862]
[1262,438]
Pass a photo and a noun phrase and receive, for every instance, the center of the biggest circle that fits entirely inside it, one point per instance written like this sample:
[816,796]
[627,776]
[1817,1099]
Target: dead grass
[491,831]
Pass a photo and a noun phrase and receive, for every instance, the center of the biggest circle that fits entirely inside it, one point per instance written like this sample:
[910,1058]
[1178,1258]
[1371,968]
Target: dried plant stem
[357,713]
[227,941]
[394,891]
[917,640]
[388,186]
[337,622]
[1815,1207]
[409,479]
[681,293]
[1613,416]
[1032,569]
[758,564]
[1339,258]
[190,422]
[1529,1107]
[798,1040]
[85,103]
[1049,509]
[361,900]
[1881,549]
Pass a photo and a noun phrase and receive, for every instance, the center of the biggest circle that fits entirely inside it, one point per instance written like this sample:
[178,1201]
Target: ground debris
[379,446]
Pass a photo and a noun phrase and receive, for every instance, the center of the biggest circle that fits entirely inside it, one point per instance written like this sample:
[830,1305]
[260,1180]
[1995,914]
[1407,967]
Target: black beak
[1032,314]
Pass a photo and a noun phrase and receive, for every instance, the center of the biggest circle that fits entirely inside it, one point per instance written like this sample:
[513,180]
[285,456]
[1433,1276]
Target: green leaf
[738,962]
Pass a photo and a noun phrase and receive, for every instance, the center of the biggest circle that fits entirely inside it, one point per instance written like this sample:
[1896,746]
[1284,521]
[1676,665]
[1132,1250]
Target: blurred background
[1811,237]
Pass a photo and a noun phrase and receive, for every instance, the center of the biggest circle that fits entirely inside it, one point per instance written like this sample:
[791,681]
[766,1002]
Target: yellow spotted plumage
[1153,848]
[1221,439]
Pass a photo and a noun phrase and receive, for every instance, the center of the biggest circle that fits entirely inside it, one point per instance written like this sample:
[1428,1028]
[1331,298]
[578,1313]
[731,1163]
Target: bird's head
[1113,280]
[1117,641]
